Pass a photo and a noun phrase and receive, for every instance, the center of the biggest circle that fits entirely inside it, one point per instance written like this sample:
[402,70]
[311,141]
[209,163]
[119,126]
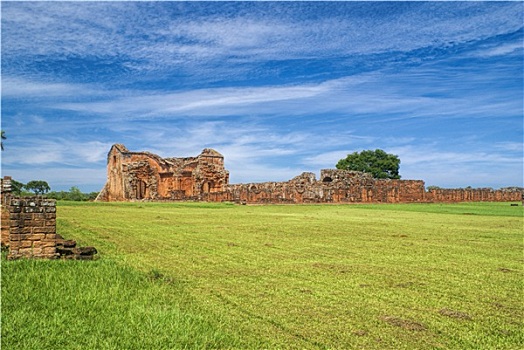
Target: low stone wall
[474,195]
[28,230]
[32,228]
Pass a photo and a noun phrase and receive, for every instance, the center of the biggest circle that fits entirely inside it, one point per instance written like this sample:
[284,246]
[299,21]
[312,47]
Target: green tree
[38,186]
[16,187]
[75,194]
[378,163]
[3,137]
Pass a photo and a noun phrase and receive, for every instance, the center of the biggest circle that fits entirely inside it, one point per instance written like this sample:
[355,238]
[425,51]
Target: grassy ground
[197,275]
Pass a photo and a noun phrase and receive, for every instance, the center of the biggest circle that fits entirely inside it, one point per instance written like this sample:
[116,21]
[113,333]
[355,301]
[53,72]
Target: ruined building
[146,176]
[143,175]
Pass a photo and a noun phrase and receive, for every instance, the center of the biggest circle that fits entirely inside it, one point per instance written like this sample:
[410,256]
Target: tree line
[40,187]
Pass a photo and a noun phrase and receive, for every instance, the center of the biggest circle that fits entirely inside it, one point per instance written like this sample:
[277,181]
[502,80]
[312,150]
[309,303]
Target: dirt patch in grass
[505,269]
[404,324]
[455,314]
[360,332]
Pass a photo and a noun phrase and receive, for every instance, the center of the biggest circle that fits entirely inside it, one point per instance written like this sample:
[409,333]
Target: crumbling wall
[28,228]
[32,228]
[473,195]
[334,186]
[145,176]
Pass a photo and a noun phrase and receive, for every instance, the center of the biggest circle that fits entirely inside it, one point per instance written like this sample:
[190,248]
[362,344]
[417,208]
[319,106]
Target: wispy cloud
[278,88]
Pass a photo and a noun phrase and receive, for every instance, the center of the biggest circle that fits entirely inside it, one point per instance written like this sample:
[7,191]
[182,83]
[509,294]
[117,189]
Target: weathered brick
[25,251]
[26,244]
[38,216]
[43,230]
[38,223]
[15,237]
[37,251]
[49,251]
[14,209]
[37,237]
[51,236]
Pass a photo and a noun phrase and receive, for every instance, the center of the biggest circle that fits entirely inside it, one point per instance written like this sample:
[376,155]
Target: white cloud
[504,49]
[145,32]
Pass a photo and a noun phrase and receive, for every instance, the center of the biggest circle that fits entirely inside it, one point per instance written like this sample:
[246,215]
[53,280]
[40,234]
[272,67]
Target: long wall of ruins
[146,176]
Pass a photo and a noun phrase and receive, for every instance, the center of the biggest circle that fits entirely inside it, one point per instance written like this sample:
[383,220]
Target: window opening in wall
[327,179]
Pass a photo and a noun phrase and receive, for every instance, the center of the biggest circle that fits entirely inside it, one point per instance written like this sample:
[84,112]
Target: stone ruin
[146,176]
[28,229]
[143,175]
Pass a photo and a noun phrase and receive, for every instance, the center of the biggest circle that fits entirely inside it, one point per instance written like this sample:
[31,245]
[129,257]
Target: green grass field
[222,276]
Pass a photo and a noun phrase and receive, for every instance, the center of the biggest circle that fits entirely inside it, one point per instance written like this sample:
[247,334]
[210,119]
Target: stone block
[50,222]
[49,251]
[26,244]
[37,251]
[49,216]
[14,245]
[14,230]
[67,243]
[48,229]
[85,251]
[43,244]
[26,216]
[25,251]
[50,209]
[13,209]
[38,223]
[37,237]
[15,237]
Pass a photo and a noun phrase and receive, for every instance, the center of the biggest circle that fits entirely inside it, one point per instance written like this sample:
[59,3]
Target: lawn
[217,275]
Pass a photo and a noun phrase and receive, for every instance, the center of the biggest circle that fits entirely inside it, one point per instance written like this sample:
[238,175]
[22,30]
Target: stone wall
[146,176]
[474,195]
[32,231]
[335,186]
[28,228]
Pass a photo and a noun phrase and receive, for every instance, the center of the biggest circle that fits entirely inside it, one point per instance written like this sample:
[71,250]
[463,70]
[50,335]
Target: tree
[378,163]
[3,137]
[38,186]
[75,194]
[16,187]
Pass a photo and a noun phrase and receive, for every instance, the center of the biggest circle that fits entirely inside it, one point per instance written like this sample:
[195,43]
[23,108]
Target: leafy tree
[75,194]
[3,137]
[16,187]
[378,163]
[38,186]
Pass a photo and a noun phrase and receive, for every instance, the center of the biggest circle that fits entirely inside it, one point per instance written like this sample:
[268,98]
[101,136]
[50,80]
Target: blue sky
[277,87]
